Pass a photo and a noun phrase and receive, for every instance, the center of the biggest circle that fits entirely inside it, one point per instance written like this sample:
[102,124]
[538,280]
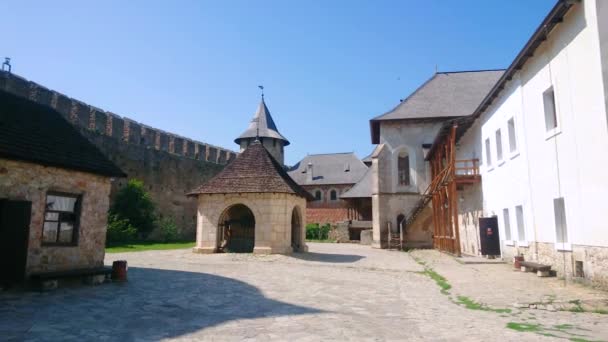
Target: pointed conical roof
[267,127]
[253,171]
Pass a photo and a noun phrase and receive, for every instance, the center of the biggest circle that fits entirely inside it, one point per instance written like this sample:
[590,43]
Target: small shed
[251,206]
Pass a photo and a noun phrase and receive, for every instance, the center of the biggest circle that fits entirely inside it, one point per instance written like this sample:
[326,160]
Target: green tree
[133,203]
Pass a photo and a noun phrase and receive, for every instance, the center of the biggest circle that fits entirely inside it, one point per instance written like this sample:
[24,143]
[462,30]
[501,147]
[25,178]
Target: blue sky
[192,67]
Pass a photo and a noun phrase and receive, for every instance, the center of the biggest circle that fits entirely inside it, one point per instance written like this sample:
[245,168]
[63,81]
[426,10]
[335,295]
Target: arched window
[333,195]
[403,169]
[318,195]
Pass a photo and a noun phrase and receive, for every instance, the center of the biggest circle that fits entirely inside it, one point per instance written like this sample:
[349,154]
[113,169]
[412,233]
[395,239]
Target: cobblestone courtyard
[335,292]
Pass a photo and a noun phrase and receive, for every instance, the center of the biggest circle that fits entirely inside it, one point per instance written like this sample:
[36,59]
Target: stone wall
[30,182]
[272,213]
[594,260]
[169,165]
[339,232]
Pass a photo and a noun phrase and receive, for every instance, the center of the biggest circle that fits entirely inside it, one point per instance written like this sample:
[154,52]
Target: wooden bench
[540,269]
[49,280]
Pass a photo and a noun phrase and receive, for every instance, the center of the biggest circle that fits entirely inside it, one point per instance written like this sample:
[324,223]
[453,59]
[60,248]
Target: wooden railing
[467,167]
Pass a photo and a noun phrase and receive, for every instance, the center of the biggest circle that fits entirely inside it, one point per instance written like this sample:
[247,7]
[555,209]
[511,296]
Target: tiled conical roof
[267,128]
[253,171]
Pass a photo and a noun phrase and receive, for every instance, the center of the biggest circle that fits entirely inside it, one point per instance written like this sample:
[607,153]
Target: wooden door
[488,236]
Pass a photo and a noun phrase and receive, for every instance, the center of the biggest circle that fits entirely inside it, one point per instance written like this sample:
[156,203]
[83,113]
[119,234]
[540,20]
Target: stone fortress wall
[170,165]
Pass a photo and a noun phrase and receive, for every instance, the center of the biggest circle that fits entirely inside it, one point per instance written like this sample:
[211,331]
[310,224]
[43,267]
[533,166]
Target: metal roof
[333,168]
[262,125]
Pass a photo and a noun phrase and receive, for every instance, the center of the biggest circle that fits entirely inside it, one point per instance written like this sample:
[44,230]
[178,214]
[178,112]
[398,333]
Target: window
[488,153]
[318,195]
[274,142]
[498,145]
[333,195]
[505,217]
[512,136]
[550,111]
[403,169]
[521,229]
[61,218]
[561,229]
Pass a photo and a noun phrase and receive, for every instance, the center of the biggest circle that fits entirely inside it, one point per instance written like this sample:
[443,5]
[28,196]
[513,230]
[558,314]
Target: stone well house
[251,206]
[54,192]
[327,177]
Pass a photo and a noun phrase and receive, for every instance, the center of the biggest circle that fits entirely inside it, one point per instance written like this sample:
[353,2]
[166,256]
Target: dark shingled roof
[363,189]
[445,95]
[253,171]
[331,168]
[267,127]
[35,133]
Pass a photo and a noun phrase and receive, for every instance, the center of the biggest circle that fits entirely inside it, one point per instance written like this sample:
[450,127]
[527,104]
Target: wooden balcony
[467,171]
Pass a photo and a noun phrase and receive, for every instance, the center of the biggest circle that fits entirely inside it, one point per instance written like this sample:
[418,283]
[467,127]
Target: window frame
[521,226]
[488,154]
[337,195]
[320,199]
[563,245]
[506,221]
[513,152]
[556,129]
[77,212]
[500,156]
[406,170]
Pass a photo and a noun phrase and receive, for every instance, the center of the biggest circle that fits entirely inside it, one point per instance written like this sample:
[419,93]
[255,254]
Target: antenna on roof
[436,68]
[7,64]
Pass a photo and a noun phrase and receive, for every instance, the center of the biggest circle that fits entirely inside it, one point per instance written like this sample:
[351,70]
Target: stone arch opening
[236,230]
[296,230]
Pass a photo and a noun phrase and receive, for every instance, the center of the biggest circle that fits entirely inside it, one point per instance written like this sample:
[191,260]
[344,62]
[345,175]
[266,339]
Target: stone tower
[263,128]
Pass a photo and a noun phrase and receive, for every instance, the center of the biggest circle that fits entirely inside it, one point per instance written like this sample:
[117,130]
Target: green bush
[168,229]
[316,232]
[119,231]
[134,204]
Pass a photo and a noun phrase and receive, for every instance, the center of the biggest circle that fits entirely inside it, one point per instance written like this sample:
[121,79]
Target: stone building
[327,177]
[251,206]
[399,173]
[54,192]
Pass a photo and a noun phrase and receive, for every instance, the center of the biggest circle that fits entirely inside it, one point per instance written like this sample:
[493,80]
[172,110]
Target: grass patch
[473,305]
[524,327]
[601,311]
[321,241]
[439,280]
[149,246]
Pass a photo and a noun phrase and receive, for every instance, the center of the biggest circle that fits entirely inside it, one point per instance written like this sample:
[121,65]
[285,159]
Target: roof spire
[262,88]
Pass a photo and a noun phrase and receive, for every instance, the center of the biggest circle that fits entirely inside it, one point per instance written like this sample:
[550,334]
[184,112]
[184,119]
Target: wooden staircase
[441,180]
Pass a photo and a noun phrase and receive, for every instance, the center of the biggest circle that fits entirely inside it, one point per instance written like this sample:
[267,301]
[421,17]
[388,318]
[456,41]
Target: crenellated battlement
[121,128]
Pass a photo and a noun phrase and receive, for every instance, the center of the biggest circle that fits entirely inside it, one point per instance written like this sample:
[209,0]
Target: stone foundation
[339,232]
[594,260]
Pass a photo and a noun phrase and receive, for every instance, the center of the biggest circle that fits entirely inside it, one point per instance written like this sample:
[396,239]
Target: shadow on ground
[326,257]
[153,305]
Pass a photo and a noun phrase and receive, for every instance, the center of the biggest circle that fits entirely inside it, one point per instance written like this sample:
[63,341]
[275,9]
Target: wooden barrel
[119,270]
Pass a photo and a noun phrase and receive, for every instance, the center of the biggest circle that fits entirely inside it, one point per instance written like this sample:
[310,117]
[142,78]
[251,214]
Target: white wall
[570,163]
[398,136]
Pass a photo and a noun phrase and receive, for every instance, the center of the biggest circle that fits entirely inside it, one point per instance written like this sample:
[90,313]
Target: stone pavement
[338,292]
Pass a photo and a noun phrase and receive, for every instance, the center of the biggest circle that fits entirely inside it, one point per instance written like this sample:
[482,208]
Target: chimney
[309,176]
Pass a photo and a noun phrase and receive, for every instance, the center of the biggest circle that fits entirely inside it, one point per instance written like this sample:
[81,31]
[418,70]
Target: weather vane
[261,88]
